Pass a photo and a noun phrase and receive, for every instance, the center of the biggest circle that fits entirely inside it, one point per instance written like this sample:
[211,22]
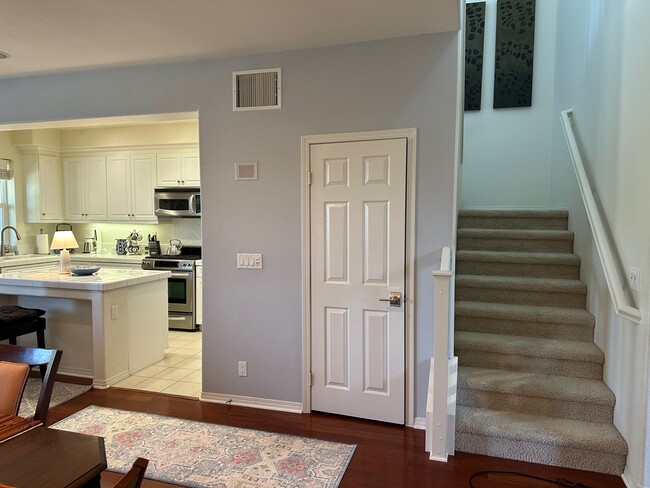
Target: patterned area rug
[198,454]
[61,393]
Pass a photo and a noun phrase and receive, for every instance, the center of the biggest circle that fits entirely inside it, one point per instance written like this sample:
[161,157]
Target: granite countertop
[104,279]
[20,260]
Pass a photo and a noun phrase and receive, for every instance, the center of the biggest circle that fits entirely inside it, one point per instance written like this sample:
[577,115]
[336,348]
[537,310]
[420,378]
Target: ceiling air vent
[259,89]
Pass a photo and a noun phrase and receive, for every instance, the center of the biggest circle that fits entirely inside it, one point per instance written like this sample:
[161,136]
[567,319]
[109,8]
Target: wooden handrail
[614,283]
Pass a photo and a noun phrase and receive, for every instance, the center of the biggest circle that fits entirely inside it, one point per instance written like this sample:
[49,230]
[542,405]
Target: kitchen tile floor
[178,374]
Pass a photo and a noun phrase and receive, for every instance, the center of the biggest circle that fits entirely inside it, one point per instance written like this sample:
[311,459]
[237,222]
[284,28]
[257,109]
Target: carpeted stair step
[515,353]
[529,264]
[521,291]
[537,394]
[513,219]
[556,241]
[525,320]
[590,446]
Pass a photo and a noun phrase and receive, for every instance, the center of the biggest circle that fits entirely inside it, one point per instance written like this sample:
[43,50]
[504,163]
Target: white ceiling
[44,36]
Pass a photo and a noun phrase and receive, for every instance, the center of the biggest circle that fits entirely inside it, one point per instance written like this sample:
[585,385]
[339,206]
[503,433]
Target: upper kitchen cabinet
[178,169]
[43,186]
[130,184]
[85,188]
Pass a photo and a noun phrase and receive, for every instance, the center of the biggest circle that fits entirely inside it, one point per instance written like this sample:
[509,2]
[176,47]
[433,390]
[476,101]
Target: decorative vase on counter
[121,246]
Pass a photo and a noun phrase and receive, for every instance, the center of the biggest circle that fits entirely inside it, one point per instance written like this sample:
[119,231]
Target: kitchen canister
[121,246]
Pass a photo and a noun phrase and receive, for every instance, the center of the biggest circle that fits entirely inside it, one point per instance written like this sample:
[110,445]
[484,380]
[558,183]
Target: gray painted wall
[598,74]
[256,316]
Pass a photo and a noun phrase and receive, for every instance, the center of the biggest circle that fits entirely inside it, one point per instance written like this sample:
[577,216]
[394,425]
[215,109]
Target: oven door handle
[182,275]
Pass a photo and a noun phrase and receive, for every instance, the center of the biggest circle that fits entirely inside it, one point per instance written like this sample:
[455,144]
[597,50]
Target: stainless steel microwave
[177,202]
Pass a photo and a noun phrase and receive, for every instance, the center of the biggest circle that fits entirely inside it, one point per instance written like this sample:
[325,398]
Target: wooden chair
[133,479]
[16,321]
[13,378]
[49,358]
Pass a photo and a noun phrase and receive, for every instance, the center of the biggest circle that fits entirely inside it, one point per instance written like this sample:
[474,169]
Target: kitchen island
[109,325]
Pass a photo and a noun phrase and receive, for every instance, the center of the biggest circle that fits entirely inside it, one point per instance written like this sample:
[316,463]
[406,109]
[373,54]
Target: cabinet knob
[43,214]
[178,181]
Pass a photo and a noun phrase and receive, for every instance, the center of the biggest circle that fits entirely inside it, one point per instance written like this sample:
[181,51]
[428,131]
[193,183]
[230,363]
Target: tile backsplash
[187,230]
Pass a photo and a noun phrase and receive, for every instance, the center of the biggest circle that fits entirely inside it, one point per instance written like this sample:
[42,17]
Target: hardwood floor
[386,455]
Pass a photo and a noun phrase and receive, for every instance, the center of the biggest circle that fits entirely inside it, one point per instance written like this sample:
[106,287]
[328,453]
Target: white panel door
[191,171]
[358,224]
[50,187]
[118,187]
[95,188]
[74,208]
[143,181]
[168,170]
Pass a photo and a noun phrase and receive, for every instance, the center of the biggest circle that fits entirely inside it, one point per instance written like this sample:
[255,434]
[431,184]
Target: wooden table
[52,458]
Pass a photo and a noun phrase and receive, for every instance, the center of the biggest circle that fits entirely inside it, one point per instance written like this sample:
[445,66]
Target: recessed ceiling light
[3,55]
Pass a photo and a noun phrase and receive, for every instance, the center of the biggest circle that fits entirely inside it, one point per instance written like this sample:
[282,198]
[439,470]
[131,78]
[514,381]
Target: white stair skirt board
[245,401]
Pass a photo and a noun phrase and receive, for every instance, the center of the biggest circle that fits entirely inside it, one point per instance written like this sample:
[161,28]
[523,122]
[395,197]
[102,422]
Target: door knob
[395,299]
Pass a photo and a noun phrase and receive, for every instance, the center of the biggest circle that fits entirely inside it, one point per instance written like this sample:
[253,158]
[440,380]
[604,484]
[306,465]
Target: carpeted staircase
[530,377]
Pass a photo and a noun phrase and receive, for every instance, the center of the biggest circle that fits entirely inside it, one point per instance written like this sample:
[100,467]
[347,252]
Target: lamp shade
[64,239]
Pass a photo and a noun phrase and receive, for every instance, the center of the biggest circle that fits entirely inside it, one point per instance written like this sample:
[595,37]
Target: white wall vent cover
[259,89]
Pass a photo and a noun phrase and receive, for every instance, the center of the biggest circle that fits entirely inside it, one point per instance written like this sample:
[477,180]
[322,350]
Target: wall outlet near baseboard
[635,278]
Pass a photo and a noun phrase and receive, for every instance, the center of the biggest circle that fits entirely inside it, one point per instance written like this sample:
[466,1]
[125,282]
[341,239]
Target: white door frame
[409,265]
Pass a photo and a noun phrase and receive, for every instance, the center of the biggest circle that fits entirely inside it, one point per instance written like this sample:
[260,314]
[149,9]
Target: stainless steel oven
[181,288]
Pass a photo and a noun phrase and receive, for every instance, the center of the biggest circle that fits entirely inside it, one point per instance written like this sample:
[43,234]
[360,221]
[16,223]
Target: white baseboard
[102,385]
[420,423]
[627,479]
[78,372]
[244,401]
[508,207]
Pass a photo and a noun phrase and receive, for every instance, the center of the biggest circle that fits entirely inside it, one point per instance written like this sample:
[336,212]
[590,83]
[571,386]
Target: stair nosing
[545,314]
[555,349]
[517,257]
[524,234]
[587,431]
[521,283]
[604,398]
[510,213]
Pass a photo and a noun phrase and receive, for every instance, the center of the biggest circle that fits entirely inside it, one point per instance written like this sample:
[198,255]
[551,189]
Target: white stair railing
[441,398]
[614,282]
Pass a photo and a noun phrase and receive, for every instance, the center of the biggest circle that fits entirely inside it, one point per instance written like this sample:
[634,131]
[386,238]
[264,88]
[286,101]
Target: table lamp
[64,240]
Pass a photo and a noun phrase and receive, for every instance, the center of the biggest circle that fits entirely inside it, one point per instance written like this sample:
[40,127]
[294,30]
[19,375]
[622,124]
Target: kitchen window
[7,194]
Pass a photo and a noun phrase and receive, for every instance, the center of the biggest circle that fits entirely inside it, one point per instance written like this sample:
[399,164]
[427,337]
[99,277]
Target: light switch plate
[249,261]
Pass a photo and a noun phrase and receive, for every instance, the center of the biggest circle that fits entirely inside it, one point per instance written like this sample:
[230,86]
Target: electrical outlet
[635,278]
[115,313]
[243,368]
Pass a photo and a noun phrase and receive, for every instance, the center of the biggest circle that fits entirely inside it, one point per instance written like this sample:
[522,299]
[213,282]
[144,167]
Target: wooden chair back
[133,479]
[50,358]
[13,377]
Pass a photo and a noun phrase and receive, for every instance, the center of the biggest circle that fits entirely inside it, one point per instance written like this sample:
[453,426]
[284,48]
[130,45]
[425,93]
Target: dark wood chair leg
[40,340]
[12,341]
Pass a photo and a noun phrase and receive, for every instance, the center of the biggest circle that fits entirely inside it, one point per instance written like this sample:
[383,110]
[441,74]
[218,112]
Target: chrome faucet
[7,251]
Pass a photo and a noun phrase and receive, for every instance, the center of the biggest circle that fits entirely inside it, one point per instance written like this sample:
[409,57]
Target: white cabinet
[130,184]
[42,187]
[198,313]
[178,169]
[85,188]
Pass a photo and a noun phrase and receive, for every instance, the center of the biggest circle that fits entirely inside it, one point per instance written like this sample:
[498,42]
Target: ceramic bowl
[84,270]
